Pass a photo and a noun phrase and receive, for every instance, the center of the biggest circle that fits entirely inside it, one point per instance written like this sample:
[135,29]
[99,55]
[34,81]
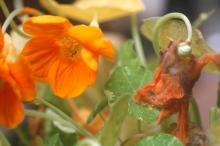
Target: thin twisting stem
[163,20]
[12,24]
[137,40]
[9,19]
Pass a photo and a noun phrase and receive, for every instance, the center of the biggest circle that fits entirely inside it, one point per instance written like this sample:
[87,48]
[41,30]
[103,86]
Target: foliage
[54,140]
[3,140]
[110,131]
[140,112]
[160,140]
[99,116]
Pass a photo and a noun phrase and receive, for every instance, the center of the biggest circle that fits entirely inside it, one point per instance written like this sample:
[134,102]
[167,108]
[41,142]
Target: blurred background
[118,30]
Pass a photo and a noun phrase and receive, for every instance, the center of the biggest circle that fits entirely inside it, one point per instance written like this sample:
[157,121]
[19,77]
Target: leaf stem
[195,115]
[4,140]
[137,40]
[164,19]
[218,96]
[213,116]
[63,115]
[203,17]
[9,19]
[139,126]
[7,14]
[34,113]
[22,137]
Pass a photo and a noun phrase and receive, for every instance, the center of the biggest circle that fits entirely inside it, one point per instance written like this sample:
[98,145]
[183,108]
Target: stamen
[70,48]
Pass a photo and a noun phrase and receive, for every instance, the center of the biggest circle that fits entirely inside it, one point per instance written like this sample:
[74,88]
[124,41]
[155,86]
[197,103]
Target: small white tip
[184,49]
[94,21]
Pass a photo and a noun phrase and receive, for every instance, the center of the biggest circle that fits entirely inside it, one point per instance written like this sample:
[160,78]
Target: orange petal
[46,25]
[93,39]
[1,40]
[23,79]
[70,79]
[39,53]
[105,48]
[11,108]
[90,59]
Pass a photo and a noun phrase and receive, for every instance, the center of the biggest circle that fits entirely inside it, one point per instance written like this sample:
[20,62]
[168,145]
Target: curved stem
[34,113]
[195,116]
[137,40]
[12,24]
[62,114]
[9,19]
[164,19]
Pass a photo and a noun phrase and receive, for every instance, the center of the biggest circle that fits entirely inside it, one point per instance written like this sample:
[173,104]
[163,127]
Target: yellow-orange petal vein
[70,79]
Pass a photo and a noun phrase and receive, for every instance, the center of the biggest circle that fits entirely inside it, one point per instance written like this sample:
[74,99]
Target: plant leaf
[98,108]
[53,141]
[59,125]
[176,30]
[143,113]
[125,80]
[127,54]
[160,140]
[111,129]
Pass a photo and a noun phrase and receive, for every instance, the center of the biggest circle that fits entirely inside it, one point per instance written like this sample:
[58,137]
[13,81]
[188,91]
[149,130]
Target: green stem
[12,24]
[34,113]
[3,140]
[101,117]
[195,115]
[22,137]
[218,97]
[213,116]
[9,19]
[18,4]
[63,115]
[139,126]
[137,40]
[202,18]
[163,20]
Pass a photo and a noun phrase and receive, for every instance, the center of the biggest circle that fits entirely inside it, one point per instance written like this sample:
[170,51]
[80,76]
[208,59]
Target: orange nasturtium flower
[172,85]
[64,55]
[16,85]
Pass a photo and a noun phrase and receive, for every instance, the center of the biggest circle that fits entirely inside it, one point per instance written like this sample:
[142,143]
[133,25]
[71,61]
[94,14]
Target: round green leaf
[143,113]
[125,80]
[161,139]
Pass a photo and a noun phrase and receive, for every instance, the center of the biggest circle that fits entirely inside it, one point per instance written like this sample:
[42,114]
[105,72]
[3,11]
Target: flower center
[70,48]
